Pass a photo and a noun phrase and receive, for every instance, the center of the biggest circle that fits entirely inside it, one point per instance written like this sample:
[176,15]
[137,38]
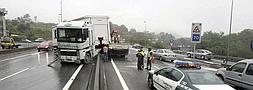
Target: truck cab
[76,40]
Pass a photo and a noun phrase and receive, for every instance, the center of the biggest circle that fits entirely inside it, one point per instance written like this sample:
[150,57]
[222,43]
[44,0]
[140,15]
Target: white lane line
[72,78]
[156,67]
[13,74]
[122,81]
[210,69]
[19,57]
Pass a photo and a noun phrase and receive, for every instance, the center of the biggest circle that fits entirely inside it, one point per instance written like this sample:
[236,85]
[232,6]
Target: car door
[247,78]
[233,75]
[159,78]
[173,79]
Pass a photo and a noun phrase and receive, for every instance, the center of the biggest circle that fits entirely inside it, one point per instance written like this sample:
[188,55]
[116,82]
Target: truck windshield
[71,35]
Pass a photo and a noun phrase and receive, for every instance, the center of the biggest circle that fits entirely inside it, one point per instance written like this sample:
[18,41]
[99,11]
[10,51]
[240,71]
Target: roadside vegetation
[25,27]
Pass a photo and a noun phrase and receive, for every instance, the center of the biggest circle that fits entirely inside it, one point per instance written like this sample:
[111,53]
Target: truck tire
[87,58]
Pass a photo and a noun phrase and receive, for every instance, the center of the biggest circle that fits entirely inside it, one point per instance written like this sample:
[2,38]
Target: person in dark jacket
[140,55]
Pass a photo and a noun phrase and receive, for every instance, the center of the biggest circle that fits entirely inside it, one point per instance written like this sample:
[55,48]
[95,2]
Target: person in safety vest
[149,58]
[140,55]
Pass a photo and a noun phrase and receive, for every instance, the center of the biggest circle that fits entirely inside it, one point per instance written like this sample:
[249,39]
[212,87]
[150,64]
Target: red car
[46,45]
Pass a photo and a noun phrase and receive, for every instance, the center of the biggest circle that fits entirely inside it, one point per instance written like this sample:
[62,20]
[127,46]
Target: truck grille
[68,53]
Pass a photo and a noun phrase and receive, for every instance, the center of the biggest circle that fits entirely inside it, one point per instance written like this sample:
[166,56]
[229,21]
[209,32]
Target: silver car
[165,54]
[239,75]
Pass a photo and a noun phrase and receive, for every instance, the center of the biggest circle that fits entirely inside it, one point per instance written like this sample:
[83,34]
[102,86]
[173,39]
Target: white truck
[75,41]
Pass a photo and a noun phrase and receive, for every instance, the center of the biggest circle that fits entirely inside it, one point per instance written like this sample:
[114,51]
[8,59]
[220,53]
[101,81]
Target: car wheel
[203,57]
[150,83]
[171,60]
[38,50]
[209,59]
[189,55]
[221,77]
[87,58]
[160,58]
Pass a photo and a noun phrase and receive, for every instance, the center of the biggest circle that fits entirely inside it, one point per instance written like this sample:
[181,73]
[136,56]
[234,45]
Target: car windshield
[204,78]
[44,43]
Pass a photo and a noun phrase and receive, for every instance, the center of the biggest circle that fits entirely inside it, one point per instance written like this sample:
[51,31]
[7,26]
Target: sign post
[251,45]
[196,35]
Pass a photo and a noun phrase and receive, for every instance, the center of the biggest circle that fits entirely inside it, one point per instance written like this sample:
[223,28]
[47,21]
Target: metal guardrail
[99,79]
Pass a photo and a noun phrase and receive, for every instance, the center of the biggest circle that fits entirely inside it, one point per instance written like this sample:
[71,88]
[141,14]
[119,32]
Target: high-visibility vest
[149,54]
[142,53]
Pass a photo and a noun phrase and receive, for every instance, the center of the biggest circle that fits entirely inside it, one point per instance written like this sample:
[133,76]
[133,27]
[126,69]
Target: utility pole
[230,28]
[61,11]
[3,12]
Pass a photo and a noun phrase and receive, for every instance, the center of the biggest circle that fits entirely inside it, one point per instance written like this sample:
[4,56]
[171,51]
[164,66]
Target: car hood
[214,87]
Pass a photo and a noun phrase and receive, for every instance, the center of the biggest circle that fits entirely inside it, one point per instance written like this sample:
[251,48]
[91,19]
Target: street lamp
[3,12]
[230,28]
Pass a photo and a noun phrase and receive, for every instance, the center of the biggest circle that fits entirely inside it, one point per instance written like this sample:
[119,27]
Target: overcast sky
[172,16]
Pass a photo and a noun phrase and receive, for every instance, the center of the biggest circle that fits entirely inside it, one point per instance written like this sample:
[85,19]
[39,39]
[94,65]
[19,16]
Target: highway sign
[196,33]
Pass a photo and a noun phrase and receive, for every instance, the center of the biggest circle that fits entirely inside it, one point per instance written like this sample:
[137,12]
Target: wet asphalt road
[28,70]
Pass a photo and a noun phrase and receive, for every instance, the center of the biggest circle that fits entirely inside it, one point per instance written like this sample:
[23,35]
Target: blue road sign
[195,37]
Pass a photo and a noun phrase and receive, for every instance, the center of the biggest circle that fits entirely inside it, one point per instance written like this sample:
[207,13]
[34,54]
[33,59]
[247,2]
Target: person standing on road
[105,52]
[140,55]
[149,57]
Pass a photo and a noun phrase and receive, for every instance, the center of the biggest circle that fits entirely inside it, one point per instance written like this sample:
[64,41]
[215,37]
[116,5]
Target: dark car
[46,45]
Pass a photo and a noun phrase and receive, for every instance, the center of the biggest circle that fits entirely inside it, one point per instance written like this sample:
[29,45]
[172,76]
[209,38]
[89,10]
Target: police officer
[149,57]
[140,55]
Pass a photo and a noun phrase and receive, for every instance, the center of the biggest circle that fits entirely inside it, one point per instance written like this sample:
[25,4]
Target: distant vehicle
[27,41]
[8,43]
[165,54]
[39,40]
[201,53]
[118,47]
[46,45]
[239,75]
[137,46]
[185,78]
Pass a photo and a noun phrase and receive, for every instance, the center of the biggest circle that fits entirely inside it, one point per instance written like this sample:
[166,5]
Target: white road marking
[72,78]
[156,67]
[122,81]
[210,69]
[13,74]
[19,57]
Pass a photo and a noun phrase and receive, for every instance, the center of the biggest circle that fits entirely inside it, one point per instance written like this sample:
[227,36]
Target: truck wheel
[87,58]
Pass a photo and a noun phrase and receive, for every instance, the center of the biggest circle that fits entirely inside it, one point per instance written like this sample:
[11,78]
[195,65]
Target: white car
[172,78]
[239,75]
[165,54]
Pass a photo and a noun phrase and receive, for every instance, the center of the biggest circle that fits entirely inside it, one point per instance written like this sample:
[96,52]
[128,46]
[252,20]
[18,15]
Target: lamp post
[230,28]
[3,12]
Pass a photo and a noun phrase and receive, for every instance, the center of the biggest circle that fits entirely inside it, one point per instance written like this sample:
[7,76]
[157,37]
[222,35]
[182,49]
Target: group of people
[150,59]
